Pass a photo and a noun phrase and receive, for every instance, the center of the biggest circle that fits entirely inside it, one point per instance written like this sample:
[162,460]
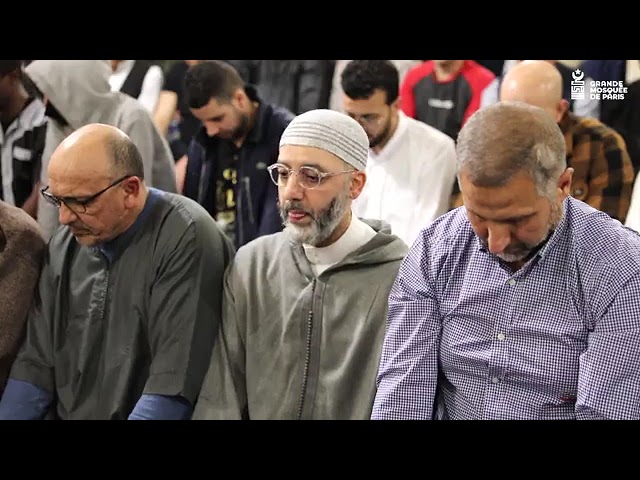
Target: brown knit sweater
[21,249]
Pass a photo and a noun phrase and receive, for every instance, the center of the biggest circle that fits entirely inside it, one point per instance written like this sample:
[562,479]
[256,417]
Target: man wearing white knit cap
[304,310]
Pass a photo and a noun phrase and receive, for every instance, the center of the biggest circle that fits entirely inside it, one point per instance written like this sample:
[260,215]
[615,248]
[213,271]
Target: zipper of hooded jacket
[104,301]
[239,219]
[200,194]
[240,233]
[247,187]
[307,355]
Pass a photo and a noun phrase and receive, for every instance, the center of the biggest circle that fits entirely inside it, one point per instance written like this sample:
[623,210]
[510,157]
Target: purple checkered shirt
[559,339]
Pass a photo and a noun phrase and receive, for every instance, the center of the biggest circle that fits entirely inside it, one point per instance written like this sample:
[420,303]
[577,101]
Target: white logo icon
[578,75]
[577,85]
[597,90]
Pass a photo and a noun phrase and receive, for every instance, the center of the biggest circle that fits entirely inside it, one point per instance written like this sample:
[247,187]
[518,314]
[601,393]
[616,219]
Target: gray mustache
[293,205]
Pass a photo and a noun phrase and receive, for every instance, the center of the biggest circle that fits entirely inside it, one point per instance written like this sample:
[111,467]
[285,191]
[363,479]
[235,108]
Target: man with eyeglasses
[77,93]
[304,309]
[411,167]
[129,297]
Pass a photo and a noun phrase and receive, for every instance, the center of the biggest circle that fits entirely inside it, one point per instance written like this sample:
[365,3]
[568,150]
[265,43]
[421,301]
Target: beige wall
[571,63]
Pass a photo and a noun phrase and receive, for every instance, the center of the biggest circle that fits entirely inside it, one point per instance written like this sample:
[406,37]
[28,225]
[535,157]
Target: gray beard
[323,225]
[554,221]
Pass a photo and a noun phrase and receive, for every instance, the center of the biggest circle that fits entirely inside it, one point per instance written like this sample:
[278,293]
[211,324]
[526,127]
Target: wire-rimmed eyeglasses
[78,204]
[308,177]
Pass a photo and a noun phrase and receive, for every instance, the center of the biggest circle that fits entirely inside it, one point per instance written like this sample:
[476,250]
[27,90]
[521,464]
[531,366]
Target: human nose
[212,130]
[498,239]
[66,215]
[292,190]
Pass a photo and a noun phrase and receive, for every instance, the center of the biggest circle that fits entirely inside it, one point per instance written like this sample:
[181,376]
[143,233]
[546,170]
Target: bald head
[536,82]
[506,138]
[95,180]
[96,150]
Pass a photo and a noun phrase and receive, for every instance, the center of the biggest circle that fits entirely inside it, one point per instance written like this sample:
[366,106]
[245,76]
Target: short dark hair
[8,66]
[360,79]
[211,79]
[125,156]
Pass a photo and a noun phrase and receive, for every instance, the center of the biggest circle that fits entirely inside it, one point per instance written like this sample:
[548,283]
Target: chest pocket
[22,154]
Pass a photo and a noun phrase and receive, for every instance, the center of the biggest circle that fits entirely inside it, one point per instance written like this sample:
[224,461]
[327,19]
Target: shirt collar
[259,129]
[560,232]
[114,247]
[394,141]
[337,250]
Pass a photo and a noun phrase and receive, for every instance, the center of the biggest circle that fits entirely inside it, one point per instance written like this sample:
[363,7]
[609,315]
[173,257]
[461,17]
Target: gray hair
[125,157]
[506,138]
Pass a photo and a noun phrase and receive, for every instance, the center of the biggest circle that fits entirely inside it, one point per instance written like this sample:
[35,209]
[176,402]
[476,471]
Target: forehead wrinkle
[68,183]
[89,162]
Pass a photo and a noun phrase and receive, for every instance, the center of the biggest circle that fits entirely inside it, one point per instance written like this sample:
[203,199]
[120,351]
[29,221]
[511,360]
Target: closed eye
[76,201]
[310,175]
[515,220]
[511,220]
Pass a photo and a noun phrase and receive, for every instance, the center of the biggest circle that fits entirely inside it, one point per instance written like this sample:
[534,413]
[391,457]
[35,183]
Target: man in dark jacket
[229,156]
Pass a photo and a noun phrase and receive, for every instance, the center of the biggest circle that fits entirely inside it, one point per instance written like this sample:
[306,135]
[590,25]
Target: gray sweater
[296,346]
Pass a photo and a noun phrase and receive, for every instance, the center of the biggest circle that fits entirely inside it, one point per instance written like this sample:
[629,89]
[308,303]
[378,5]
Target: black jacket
[257,211]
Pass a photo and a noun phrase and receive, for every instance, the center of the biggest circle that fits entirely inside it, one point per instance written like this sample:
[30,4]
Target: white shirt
[409,183]
[151,85]
[17,155]
[357,235]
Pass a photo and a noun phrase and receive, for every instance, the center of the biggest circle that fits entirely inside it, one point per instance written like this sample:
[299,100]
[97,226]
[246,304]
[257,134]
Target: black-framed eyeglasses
[78,204]
[308,177]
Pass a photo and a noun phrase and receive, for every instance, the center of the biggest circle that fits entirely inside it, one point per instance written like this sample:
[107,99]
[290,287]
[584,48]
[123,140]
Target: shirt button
[512,282]
[501,336]
[495,380]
